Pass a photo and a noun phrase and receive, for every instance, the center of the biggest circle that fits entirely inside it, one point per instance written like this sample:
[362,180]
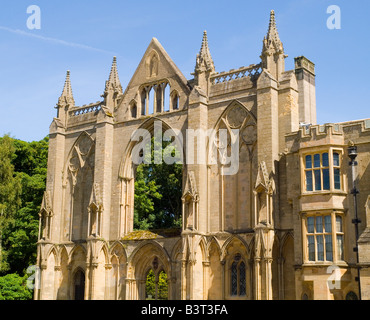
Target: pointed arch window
[144,99]
[175,101]
[238,277]
[133,108]
[159,98]
[156,282]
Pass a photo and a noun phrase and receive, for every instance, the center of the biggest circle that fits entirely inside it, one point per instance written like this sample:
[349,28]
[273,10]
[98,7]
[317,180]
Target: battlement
[327,134]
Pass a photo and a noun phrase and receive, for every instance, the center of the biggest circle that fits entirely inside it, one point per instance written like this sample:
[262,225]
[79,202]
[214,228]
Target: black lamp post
[352,154]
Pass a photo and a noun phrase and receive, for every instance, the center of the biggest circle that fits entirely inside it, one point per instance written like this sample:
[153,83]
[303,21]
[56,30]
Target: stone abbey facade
[279,228]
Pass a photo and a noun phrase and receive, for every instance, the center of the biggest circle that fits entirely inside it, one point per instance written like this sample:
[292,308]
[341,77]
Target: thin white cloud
[54,40]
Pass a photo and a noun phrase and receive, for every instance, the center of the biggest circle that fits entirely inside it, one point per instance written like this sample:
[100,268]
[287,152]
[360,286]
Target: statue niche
[152,65]
[190,200]
[45,215]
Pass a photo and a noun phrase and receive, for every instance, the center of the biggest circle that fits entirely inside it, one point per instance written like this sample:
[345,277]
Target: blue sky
[83,36]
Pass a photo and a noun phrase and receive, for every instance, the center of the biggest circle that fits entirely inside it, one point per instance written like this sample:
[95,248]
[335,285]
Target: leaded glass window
[234,279]
[318,169]
[242,282]
[321,233]
[238,277]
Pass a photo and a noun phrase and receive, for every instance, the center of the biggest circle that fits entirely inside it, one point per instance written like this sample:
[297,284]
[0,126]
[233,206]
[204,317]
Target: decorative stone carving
[235,117]
[249,135]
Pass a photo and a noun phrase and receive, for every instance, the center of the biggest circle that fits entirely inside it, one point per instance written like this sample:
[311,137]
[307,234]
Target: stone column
[281,277]
[257,281]
[183,279]
[70,282]
[198,120]
[57,273]
[103,168]
[54,180]
[43,267]
[268,120]
[268,262]
[223,279]
[91,283]
[110,284]
[206,265]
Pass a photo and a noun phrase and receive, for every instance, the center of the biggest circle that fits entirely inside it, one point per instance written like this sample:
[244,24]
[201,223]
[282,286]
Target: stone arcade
[274,230]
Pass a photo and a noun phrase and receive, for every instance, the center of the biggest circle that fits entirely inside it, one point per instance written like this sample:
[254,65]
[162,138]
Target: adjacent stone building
[281,227]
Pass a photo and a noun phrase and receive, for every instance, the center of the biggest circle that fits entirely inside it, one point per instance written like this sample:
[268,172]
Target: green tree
[10,194]
[162,286]
[26,164]
[13,287]
[158,191]
[150,285]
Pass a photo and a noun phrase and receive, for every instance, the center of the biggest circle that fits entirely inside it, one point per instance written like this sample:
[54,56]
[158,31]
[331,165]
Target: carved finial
[272,40]
[67,95]
[67,90]
[113,81]
[204,58]
[204,47]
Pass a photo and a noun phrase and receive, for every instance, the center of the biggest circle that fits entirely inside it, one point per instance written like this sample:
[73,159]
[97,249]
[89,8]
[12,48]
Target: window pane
[320,248]
[308,162]
[310,224]
[328,248]
[340,247]
[318,224]
[234,279]
[328,224]
[317,179]
[309,186]
[336,178]
[311,248]
[316,160]
[325,159]
[336,159]
[339,227]
[242,280]
[325,178]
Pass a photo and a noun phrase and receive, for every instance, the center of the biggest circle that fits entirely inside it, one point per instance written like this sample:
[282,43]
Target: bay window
[322,171]
[324,237]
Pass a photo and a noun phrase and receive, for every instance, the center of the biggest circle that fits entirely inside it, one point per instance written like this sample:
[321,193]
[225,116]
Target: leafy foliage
[162,286]
[150,285]
[158,190]
[13,287]
[23,168]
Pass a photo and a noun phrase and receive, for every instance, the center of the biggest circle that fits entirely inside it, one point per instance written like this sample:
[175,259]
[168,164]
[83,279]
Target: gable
[155,65]
[155,68]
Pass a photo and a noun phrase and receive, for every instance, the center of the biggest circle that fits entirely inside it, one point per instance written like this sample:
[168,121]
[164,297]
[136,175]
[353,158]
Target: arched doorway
[79,285]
